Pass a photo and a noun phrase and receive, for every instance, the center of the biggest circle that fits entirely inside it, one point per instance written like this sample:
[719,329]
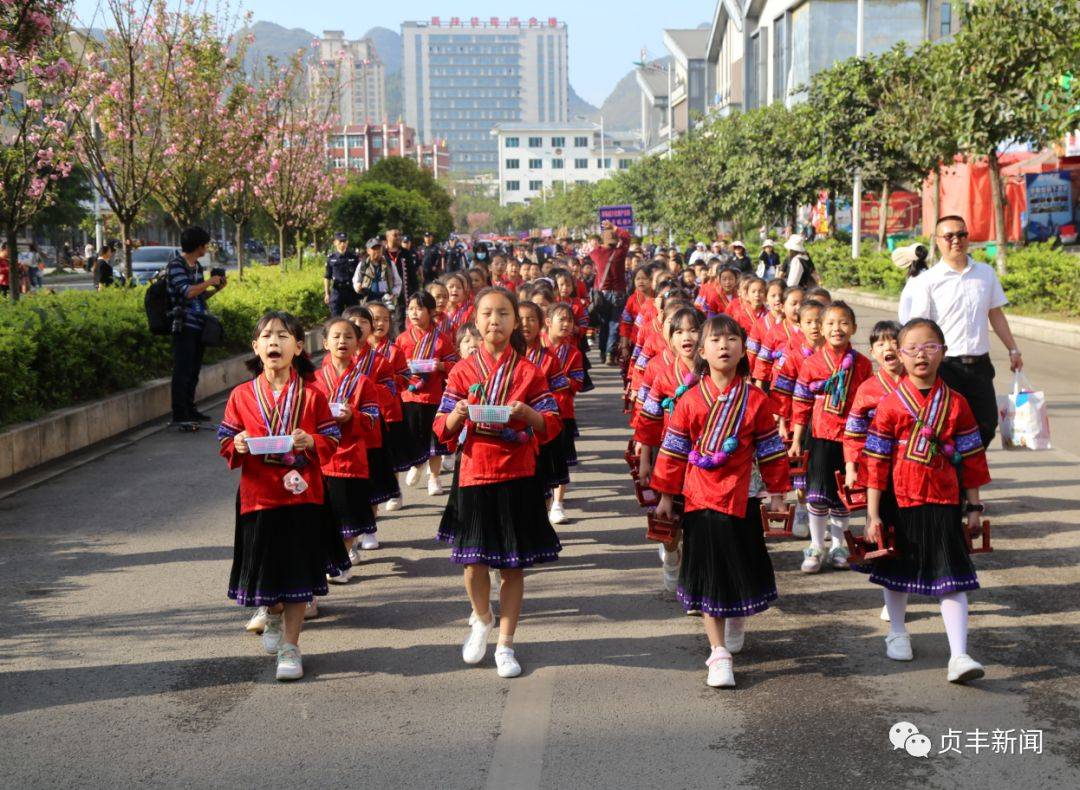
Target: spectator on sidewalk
[768,261]
[35,266]
[913,258]
[407,268]
[609,258]
[739,259]
[966,299]
[103,269]
[5,269]
[189,292]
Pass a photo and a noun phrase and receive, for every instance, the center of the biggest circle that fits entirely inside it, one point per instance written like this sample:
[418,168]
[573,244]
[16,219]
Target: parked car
[146,262]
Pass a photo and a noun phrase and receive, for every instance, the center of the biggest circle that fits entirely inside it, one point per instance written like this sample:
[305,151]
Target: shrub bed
[60,349]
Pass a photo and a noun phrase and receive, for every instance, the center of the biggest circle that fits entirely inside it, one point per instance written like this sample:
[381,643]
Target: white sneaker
[311,611]
[734,634]
[811,560]
[434,487]
[342,577]
[898,647]
[271,635]
[354,555]
[258,621]
[392,504]
[448,463]
[505,664]
[800,526]
[368,541]
[472,652]
[721,669]
[556,515]
[670,561]
[289,664]
[884,613]
[963,668]
[412,477]
[838,557]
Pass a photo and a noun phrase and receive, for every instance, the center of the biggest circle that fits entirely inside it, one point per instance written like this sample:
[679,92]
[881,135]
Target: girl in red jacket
[495,517]
[551,462]
[458,305]
[560,333]
[755,338]
[924,443]
[354,403]
[396,437]
[716,432]
[284,545]
[430,354]
[822,399]
[776,338]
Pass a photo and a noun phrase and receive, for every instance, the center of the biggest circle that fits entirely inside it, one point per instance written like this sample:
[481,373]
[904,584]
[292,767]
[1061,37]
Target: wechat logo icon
[905,735]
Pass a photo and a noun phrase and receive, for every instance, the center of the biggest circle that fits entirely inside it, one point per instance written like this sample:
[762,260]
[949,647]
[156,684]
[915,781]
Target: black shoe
[198,416]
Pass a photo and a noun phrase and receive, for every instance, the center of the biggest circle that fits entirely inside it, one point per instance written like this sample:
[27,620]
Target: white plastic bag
[1022,413]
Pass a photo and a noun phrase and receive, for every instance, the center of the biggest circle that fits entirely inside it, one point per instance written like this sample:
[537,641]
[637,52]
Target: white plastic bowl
[269,445]
[499,415]
[422,365]
[336,409]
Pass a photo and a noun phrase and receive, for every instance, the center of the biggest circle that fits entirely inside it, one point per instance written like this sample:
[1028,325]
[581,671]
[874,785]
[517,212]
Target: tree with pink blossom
[37,72]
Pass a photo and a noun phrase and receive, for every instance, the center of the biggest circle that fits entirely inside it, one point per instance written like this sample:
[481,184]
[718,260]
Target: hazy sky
[604,36]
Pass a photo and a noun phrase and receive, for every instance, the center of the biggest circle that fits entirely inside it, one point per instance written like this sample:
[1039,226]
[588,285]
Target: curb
[28,445]
[1054,333]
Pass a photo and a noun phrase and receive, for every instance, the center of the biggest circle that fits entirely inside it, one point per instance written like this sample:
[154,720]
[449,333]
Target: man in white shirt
[965,298]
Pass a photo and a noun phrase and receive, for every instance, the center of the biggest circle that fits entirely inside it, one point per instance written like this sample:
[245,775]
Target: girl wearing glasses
[924,443]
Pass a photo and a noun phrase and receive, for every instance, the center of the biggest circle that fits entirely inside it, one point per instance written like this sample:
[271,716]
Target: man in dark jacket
[432,259]
[408,270]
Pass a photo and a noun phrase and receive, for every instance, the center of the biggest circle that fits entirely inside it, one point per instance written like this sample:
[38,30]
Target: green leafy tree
[404,173]
[366,208]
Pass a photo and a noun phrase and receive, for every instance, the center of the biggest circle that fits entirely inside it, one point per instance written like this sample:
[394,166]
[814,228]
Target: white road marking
[519,750]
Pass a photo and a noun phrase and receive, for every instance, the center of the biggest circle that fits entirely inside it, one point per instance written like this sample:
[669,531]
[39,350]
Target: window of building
[513,186]
[581,164]
[946,19]
[536,142]
[781,57]
[581,142]
[376,143]
[556,164]
[512,142]
[753,53]
[536,186]
[624,164]
[604,164]
[513,164]
[536,164]
[558,142]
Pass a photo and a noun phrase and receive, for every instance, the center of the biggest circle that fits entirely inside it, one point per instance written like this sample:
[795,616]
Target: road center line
[519,750]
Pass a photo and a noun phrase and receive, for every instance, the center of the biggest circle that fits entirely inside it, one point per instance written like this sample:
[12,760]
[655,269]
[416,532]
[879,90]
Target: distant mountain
[388,45]
[578,106]
[622,108]
[272,40]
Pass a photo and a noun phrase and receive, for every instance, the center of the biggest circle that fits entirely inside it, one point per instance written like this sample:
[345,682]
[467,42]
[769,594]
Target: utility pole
[856,197]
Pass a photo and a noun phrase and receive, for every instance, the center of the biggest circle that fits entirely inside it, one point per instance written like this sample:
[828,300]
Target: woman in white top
[912,258]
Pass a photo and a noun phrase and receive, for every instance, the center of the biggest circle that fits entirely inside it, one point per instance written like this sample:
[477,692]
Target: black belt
[343,286]
[969,359]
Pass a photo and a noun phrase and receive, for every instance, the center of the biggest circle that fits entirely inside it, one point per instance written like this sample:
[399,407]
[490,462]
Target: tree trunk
[239,251]
[281,247]
[12,240]
[883,216]
[997,193]
[935,214]
[125,234]
[299,249]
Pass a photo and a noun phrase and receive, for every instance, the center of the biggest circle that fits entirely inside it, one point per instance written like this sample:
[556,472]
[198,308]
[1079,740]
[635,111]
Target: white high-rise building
[461,77]
[354,74]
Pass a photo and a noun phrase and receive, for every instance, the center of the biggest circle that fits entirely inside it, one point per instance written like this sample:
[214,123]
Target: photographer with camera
[609,289]
[376,279]
[193,327]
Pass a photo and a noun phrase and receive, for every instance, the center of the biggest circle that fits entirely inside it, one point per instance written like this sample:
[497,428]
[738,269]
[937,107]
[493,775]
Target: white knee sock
[819,522]
[954,611]
[837,525]
[896,603]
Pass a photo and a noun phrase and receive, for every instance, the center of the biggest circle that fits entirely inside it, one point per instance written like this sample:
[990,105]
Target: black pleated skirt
[349,500]
[567,440]
[501,525]
[417,437]
[826,458]
[398,446]
[726,570]
[551,465]
[384,482]
[933,558]
[282,555]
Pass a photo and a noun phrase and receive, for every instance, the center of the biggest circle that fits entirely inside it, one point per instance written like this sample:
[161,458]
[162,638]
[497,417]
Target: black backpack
[158,305]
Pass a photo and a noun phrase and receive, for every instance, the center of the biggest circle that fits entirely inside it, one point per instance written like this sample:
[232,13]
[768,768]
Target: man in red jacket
[609,260]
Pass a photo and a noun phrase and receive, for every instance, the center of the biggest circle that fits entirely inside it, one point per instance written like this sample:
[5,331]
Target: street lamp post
[856,197]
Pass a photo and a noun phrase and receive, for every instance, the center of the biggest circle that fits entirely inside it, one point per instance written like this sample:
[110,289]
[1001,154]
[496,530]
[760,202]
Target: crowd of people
[743,391]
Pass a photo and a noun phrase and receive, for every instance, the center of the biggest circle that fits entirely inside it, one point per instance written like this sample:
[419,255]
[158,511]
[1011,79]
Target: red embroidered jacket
[629,315]
[664,375]
[570,362]
[693,426]
[867,398]
[771,347]
[920,468]
[252,406]
[785,373]
[432,344]
[830,410]
[487,456]
[359,433]
[399,370]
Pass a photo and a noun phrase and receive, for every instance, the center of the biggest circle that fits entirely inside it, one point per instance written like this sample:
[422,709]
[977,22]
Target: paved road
[123,663]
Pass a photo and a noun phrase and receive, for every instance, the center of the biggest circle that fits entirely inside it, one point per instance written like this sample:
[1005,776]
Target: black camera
[218,271]
[177,315]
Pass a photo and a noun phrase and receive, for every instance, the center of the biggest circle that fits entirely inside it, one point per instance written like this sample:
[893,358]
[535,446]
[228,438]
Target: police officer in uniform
[341,264]
[432,260]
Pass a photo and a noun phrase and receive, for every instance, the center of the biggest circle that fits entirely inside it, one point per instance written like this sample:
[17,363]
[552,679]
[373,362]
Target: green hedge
[1039,279]
[60,349]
